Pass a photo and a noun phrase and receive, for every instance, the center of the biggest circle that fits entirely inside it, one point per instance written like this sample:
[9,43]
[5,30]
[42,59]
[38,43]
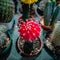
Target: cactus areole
[29,30]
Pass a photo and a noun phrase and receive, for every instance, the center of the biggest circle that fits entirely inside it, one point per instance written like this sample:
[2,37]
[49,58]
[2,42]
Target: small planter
[36,48]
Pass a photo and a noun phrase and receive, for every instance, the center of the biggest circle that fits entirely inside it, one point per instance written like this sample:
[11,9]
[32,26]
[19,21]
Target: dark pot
[21,50]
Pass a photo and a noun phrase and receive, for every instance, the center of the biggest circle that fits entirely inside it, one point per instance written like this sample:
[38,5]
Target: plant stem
[25,11]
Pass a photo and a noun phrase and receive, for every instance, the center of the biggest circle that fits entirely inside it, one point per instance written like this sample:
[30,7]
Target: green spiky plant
[56,15]
[49,8]
[6,10]
[26,11]
[51,13]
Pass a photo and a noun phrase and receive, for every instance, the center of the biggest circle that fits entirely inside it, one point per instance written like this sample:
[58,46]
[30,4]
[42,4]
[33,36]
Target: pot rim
[28,55]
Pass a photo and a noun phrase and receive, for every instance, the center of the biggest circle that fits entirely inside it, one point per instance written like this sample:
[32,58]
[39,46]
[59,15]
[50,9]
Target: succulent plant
[56,34]
[51,13]
[6,10]
[29,30]
[48,12]
[56,15]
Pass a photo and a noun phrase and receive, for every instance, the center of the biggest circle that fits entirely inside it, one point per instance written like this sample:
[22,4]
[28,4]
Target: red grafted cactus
[29,30]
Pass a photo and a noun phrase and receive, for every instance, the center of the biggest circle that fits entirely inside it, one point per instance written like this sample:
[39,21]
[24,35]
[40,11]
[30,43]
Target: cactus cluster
[51,13]
[29,30]
[6,10]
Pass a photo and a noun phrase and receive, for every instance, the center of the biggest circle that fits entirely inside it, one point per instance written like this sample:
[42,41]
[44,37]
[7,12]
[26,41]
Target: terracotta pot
[25,54]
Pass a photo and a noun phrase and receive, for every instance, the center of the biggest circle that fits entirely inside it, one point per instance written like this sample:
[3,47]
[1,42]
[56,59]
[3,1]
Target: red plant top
[29,30]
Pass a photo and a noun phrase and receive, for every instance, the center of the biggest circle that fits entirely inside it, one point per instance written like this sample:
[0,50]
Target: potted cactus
[29,42]
[51,15]
[6,10]
[5,42]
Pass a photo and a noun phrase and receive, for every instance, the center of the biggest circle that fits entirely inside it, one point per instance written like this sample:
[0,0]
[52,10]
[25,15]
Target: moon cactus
[29,30]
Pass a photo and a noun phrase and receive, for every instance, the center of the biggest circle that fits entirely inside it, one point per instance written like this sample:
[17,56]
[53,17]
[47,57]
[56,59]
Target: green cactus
[53,5]
[51,13]
[6,10]
[55,15]
[47,12]
[25,11]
